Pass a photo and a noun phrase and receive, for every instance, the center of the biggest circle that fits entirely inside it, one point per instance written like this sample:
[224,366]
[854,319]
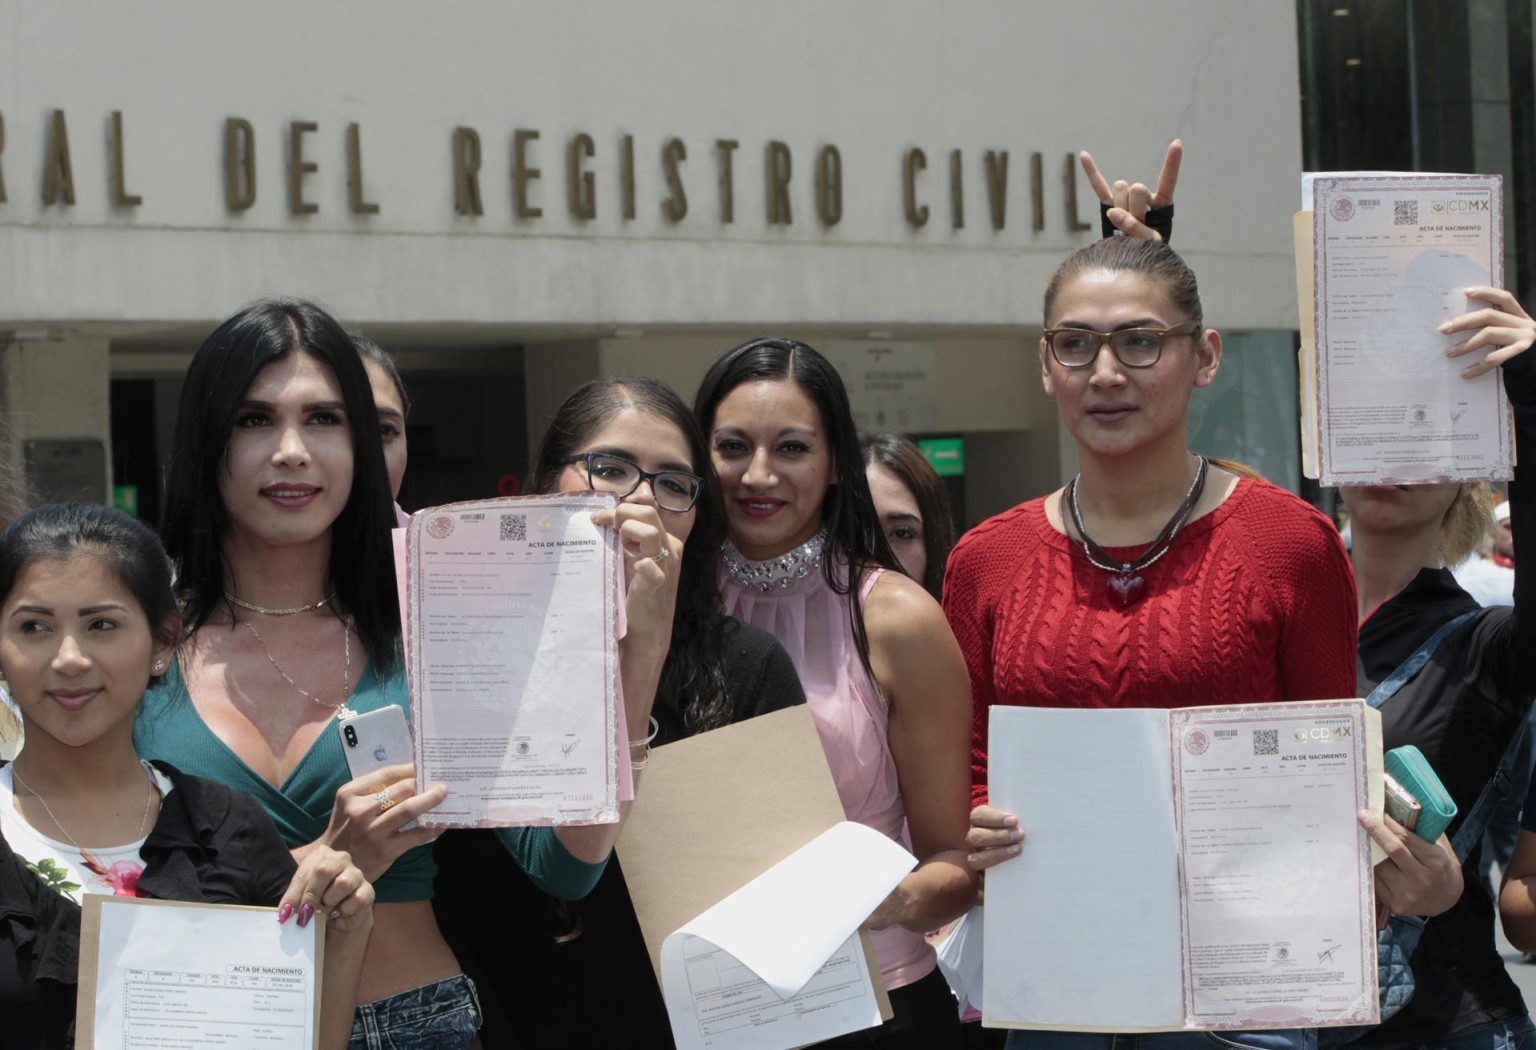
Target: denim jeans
[1277,1039]
[1497,1035]
[440,1016]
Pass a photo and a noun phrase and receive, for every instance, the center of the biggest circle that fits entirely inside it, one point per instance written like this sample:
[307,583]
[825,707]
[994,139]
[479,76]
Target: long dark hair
[903,459]
[847,509]
[126,546]
[693,673]
[195,519]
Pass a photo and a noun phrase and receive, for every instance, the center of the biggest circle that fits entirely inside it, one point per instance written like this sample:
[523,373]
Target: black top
[536,959]
[209,844]
[1461,711]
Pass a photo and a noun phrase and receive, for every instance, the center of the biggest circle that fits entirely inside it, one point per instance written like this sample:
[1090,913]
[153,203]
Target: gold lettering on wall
[239,164]
[913,162]
[120,195]
[627,175]
[355,172]
[725,147]
[2,150]
[580,184]
[780,166]
[466,172]
[829,185]
[298,167]
[676,204]
[956,192]
[1037,189]
[58,175]
[522,174]
[997,186]
[1073,222]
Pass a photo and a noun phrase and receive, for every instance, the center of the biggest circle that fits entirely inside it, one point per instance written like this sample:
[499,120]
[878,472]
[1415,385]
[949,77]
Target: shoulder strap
[1498,788]
[1410,667]
[869,583]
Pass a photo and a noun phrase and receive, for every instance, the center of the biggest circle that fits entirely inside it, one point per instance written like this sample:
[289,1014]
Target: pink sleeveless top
[790,599]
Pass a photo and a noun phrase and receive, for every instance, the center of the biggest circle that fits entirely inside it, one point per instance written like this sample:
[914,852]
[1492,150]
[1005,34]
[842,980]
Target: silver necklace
[149,797]
[775,572]
[253,607]
[1125,577]
[341,709]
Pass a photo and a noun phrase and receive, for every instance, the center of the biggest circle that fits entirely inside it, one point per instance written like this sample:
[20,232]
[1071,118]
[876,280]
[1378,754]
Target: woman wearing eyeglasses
[635,438]
[1156,577]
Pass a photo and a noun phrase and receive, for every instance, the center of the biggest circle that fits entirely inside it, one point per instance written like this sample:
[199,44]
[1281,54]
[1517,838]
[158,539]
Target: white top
[1490,584]
[114,871]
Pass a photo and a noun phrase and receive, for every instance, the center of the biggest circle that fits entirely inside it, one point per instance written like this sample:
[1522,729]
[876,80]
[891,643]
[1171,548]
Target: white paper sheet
[172,976]
[1392,256]
[1099,867]
[513,660]
[777,963]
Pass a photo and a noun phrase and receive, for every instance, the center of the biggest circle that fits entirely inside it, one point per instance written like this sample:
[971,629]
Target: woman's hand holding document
[779,962]
[511,617]
[1193,869]
[1388,271]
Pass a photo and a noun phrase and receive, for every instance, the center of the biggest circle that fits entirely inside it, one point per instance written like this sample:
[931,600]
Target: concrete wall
[873,78]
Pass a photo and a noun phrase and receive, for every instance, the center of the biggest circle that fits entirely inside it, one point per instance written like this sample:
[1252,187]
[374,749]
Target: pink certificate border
[1320,218]
[604,811]
[1180,719]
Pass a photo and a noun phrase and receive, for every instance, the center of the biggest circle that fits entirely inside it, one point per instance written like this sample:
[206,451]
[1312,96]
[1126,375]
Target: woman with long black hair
[278,515]
[807,560]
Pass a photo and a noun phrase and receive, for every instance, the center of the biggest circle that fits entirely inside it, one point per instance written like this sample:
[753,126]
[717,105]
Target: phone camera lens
[351,735]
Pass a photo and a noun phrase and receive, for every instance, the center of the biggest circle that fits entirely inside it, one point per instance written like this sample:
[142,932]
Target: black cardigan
[1461,710]
[209,844]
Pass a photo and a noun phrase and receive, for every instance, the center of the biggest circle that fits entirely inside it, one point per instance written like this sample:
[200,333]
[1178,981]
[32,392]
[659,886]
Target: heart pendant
[1126,587]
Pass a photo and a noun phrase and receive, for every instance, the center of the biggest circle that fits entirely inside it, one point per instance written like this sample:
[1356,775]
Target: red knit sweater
[1254,601]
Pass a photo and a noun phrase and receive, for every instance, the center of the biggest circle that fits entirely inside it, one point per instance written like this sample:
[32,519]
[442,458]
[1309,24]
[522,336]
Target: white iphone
[376,739]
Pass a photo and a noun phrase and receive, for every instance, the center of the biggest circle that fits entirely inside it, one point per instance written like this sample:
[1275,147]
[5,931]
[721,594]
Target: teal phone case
[1408,766]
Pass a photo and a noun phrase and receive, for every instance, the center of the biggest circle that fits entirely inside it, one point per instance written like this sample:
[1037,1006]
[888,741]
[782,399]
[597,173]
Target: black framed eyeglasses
[1132,347]
[674,490]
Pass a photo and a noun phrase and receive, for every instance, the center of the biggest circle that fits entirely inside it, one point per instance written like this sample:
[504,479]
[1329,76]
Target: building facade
[515,197]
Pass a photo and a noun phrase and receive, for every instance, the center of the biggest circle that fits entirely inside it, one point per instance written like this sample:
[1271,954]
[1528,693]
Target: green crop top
[169,728]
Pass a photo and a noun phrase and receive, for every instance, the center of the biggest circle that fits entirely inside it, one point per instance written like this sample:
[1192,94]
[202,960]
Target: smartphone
[376,739]
[1402,806]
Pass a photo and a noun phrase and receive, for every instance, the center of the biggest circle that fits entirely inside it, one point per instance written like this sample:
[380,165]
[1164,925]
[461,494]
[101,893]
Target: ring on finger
[385,802]
[663,554]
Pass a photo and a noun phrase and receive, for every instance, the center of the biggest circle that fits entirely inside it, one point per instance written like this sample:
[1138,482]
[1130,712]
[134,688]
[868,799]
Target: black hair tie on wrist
[1158,218]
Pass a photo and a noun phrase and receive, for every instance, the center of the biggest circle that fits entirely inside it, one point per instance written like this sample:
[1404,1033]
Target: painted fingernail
[284,913]
[306,912]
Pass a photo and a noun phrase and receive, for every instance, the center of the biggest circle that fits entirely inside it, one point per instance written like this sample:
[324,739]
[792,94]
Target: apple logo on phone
[381,753]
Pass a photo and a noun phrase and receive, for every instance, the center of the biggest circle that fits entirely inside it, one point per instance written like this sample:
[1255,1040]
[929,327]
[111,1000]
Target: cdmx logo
[1441,207]
[1322,733]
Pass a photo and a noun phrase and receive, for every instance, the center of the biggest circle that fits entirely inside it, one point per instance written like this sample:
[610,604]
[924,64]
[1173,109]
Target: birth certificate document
[511,644]
[1265,796]
[1392,259]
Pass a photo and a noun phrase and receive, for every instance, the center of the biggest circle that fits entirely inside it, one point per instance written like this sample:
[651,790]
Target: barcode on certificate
[468,518]
[514,527]
[1266,741]
[1405,213]
[1224,734]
